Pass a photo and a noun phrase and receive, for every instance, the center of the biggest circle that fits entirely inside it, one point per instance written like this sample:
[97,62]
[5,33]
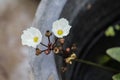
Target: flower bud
[74,47]
[64,69]
[70,58]
[68,50]
[62,40]
[38,51]
[48,33]
[47,52]
[56,50]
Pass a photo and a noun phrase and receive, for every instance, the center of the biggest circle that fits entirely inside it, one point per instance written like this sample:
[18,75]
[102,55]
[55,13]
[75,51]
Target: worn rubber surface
[89,19]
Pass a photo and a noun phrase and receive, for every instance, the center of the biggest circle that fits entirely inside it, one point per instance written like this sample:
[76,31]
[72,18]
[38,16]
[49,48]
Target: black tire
[89,20]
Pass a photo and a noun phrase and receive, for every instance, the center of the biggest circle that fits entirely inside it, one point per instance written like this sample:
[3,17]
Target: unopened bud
[70,58]
[48,33]
[56,50]
[62,40]
[47,52]
[74,47]
[67,49]
[38,51]
[64,69]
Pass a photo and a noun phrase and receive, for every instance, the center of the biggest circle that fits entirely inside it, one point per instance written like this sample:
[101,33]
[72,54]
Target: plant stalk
[97,65]
[43,44]
[55,42]
[49,40]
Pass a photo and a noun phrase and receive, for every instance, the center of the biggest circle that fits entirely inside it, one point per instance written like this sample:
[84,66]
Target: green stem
[97,65]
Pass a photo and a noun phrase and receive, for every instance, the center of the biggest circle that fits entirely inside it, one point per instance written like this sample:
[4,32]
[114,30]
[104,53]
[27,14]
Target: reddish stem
[43,44]
[55,42]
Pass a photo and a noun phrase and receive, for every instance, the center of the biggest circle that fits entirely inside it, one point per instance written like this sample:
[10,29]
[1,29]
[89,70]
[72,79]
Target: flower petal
[61,24]
[28,37]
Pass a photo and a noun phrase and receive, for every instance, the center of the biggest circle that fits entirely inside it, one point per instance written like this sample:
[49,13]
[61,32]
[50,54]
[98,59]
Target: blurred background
[15,16]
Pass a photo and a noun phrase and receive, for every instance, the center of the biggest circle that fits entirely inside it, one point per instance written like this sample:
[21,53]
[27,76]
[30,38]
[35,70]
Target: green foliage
[116,77]
[114,53]
[110,31]
[117,27]
[103,59]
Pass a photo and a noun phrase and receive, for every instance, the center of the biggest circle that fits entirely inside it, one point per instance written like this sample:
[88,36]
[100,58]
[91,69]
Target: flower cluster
[32,37]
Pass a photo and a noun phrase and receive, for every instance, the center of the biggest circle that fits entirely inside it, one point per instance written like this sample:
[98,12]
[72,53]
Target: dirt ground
[15,16]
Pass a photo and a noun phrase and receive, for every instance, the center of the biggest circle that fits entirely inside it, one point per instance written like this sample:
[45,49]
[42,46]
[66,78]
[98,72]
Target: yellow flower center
[35,39]
[60,32]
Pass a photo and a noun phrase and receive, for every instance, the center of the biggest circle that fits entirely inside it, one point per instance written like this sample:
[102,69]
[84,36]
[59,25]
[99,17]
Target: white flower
[31,37]
[61,28]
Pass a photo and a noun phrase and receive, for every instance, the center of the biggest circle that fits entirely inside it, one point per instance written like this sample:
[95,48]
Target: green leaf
[114,53]
[117,27]
[103,59]
[116,77]
[110,31]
